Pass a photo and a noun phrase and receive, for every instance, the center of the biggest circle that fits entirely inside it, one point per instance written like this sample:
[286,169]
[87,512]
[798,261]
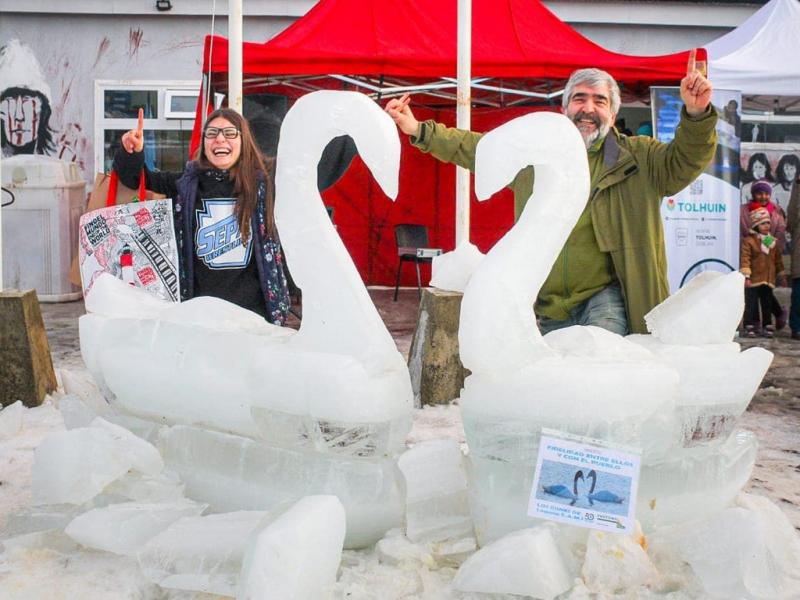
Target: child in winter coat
[761,264]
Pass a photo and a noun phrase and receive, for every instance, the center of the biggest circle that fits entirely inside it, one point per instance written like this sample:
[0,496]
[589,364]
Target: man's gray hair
[592,78]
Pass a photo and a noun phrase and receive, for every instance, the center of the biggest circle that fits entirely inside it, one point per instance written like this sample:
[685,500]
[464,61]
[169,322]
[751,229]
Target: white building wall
[74,49]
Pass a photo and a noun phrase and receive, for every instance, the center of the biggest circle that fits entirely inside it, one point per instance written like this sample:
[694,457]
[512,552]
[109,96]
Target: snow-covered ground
[50,565]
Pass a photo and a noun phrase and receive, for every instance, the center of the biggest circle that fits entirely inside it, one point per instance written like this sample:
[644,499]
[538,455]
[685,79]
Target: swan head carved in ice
[210,363]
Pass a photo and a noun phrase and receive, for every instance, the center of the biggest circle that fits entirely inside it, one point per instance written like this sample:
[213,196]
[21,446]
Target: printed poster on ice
[584,484]
[134,242]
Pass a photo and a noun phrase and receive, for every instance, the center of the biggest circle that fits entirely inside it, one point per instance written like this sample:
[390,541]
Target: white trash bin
[40,227]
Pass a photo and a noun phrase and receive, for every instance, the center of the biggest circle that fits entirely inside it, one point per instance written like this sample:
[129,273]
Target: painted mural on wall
[27,110]
[777,163]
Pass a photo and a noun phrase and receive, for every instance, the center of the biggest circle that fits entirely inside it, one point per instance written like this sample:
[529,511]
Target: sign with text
[134,242]
[701,221]
[584,484]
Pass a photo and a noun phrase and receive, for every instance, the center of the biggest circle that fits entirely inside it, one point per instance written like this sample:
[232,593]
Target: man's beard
[600,131]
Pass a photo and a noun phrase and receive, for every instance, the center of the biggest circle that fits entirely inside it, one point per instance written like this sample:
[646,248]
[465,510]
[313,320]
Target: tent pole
[235,55]
[463,101]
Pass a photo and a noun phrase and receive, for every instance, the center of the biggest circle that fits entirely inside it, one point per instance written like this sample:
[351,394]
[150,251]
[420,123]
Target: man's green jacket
[627,187]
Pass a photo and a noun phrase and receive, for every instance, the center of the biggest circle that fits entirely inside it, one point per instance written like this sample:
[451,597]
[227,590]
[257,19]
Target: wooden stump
[437,374]
[26,368]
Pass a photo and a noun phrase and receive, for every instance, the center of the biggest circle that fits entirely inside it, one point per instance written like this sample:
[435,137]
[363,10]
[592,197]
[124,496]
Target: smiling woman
[223,212]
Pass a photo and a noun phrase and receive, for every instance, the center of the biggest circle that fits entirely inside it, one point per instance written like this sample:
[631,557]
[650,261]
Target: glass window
[125,104]
[167,134]
[771,132]
[183,103]
[164,149]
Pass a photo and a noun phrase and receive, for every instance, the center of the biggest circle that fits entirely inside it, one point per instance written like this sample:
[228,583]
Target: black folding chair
[410,238]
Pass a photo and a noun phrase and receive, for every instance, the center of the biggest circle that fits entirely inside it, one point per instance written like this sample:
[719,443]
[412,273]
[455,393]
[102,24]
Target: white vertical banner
[701,222]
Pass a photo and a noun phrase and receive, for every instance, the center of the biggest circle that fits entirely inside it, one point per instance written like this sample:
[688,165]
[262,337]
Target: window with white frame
[169,108]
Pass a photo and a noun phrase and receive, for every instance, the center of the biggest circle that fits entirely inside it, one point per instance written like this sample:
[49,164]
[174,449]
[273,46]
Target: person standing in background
[793,227]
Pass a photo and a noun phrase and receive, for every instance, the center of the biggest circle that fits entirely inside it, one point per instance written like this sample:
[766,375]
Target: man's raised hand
[401,114]
[133,140]
[695,88]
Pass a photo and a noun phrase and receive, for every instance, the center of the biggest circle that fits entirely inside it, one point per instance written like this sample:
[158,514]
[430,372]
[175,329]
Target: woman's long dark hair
[762,158]
[244,174]
[787,159]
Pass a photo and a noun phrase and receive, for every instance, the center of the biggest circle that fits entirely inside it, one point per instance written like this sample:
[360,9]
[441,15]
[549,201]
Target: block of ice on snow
[82,385]
[615,563]
[137,487]
[74,466]
[75,412]
[749,550]
[11,420]
[707,310]
[297,554]
[232,472]
[202,554]
[125,528]
[437,504]
[452,270]
[529,562]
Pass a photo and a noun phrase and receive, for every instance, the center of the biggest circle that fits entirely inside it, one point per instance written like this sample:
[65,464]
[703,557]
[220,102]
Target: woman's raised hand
[133,140]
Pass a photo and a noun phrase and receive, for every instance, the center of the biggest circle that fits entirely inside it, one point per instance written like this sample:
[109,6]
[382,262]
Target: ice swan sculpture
[255,414]
[584,380]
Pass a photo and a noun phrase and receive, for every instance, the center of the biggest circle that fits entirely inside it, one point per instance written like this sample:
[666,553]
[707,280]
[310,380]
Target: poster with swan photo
[584,483]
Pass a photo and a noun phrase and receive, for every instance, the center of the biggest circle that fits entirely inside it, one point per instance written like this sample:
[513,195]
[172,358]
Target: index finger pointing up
[140,125]
[691,67]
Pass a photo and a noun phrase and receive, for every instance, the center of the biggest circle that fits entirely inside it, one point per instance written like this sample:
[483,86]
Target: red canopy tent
[521,56]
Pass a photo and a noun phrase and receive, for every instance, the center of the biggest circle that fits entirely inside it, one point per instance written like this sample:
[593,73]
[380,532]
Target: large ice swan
[259,415]
[582,380]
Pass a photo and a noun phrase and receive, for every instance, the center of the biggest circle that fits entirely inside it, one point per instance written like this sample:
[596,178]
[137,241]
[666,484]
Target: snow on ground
[51,566]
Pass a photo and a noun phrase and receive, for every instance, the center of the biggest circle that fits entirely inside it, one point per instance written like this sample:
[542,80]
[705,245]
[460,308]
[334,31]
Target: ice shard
[529,562]
[749,550]
[75,466]
[437,506]
[297,554]
[125,528]
[706,310]
[202,554]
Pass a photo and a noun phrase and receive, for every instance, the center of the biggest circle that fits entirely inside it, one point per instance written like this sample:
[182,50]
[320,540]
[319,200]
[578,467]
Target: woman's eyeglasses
[230,133]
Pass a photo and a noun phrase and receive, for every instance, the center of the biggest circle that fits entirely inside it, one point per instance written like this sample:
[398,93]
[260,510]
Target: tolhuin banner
[701,222]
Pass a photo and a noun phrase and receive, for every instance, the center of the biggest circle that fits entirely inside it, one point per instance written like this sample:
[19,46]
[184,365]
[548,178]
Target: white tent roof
[762,55]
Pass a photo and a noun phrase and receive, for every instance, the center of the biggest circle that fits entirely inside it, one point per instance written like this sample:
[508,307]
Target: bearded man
[613,267]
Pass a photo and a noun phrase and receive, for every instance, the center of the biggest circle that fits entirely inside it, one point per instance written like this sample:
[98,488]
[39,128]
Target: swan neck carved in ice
[338,314]
[498,329]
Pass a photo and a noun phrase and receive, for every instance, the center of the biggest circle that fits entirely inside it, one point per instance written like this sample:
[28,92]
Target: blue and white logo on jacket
[218,241]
